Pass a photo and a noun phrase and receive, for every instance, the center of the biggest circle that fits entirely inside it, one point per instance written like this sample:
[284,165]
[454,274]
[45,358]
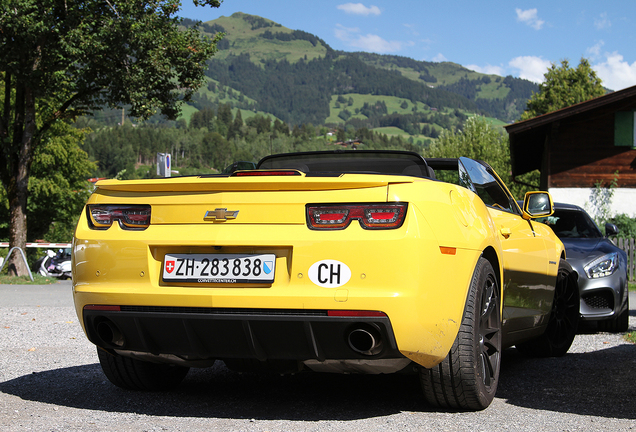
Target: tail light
[266,173]
[370,216]
[129,216]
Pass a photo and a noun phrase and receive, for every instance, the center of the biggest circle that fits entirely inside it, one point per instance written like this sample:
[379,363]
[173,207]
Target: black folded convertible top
[351,161]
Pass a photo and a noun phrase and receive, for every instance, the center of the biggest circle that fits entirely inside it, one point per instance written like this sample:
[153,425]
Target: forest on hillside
[299,92]
[251,108]
[248,109]
[494,96]
[210,141]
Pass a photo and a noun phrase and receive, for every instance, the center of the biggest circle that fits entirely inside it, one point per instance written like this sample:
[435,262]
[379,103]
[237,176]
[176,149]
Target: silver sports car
[601,266]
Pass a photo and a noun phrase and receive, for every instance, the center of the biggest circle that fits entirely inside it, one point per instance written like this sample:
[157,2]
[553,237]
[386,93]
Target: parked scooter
[54,264]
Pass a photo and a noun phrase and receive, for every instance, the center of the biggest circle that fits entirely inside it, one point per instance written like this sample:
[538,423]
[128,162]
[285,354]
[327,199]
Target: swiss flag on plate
[169,266]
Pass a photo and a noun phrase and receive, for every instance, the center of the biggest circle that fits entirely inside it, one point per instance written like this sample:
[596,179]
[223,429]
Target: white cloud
[359,9]
[412,30]
[368,42]
[375,43]
[615,72]
[595,50]
[345,33]
[488,69]
[602,22]
[530,17]
[440,58]
[530,67]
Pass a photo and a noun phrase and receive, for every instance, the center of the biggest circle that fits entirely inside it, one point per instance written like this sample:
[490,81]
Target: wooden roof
[528,138]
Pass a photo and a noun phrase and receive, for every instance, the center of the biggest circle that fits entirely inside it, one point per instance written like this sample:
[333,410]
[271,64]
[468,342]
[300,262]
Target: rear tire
[467,378]
[564,318]
[622,322]
[133,374]
[618,325]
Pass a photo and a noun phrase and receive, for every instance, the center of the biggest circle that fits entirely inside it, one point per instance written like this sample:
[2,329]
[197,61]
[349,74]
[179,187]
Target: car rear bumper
[196,333]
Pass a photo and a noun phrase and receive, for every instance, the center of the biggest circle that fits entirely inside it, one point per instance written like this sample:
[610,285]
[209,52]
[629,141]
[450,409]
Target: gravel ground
[50,380]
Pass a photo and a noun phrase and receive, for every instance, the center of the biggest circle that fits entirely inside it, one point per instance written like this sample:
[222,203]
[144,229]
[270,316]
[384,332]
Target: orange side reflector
[448,250]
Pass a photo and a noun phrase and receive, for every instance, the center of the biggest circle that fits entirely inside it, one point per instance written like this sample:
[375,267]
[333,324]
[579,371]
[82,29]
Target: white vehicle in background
[54,264]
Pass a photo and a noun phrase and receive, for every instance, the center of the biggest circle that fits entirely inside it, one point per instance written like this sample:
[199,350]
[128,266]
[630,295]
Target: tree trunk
[18,190]
[17,231]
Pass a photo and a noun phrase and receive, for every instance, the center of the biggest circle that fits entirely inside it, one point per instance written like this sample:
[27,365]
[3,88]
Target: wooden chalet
[578,146]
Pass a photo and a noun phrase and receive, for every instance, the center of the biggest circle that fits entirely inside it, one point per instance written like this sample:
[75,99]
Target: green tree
[261,123]
[480,141]
[280,128]
[59,60]
[345,114]
[235,129]
[564,86]
[601,197]
[341,135]
[224,118]
[203,118]
[216,152]
[58,186]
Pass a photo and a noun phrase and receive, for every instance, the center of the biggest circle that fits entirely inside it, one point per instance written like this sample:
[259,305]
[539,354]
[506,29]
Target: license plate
[219,268]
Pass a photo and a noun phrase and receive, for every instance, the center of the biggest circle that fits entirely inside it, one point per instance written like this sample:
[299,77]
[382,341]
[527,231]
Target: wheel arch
[491,255]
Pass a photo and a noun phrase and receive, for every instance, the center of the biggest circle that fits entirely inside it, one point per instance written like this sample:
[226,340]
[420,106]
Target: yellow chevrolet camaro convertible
[342,261]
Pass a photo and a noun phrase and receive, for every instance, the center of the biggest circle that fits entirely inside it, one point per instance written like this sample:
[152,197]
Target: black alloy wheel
[467,378]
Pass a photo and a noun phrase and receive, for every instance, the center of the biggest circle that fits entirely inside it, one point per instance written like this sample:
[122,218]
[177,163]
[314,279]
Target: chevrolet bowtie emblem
[220,214]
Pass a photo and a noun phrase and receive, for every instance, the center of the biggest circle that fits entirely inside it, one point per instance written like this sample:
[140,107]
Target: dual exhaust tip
[109,333]
[366,341]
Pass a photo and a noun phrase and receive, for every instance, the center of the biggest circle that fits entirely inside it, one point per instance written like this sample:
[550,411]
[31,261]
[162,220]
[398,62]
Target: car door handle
[505,232]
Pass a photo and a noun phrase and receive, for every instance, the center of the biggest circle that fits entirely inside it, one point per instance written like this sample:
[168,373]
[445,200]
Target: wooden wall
[582,152]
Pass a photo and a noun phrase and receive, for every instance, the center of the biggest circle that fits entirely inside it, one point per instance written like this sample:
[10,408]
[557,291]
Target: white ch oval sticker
[329,273]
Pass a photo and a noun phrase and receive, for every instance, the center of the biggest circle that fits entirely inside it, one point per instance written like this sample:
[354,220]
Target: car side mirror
[537,204]
[610,229]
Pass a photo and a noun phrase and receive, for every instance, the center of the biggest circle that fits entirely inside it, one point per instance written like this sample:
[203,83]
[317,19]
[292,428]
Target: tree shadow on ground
[598,383]
[221,393]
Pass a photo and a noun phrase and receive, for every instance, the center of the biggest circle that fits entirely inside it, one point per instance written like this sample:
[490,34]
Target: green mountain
[295,76]
[273,90]
[500,97]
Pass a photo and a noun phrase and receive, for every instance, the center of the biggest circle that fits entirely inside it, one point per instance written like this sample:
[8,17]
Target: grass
[25,280]
[632,286]
[229,96]
[187,111]
[392,104]
[244,39]
[391,130]
[395,131]
[493,90]
[492,121]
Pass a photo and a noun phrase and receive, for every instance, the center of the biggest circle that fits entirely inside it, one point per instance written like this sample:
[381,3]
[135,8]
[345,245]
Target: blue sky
[518,38]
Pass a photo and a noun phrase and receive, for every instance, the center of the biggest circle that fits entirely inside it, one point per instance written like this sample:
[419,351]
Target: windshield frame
[577,223]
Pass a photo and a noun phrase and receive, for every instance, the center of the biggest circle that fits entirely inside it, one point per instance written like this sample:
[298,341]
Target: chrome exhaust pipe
[363,341]
[109,333]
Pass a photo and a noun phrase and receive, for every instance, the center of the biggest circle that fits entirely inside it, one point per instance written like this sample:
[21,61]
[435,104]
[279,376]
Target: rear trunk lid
[258,200]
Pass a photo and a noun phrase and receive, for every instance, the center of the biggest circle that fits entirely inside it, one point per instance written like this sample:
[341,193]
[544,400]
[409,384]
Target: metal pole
[23,257]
